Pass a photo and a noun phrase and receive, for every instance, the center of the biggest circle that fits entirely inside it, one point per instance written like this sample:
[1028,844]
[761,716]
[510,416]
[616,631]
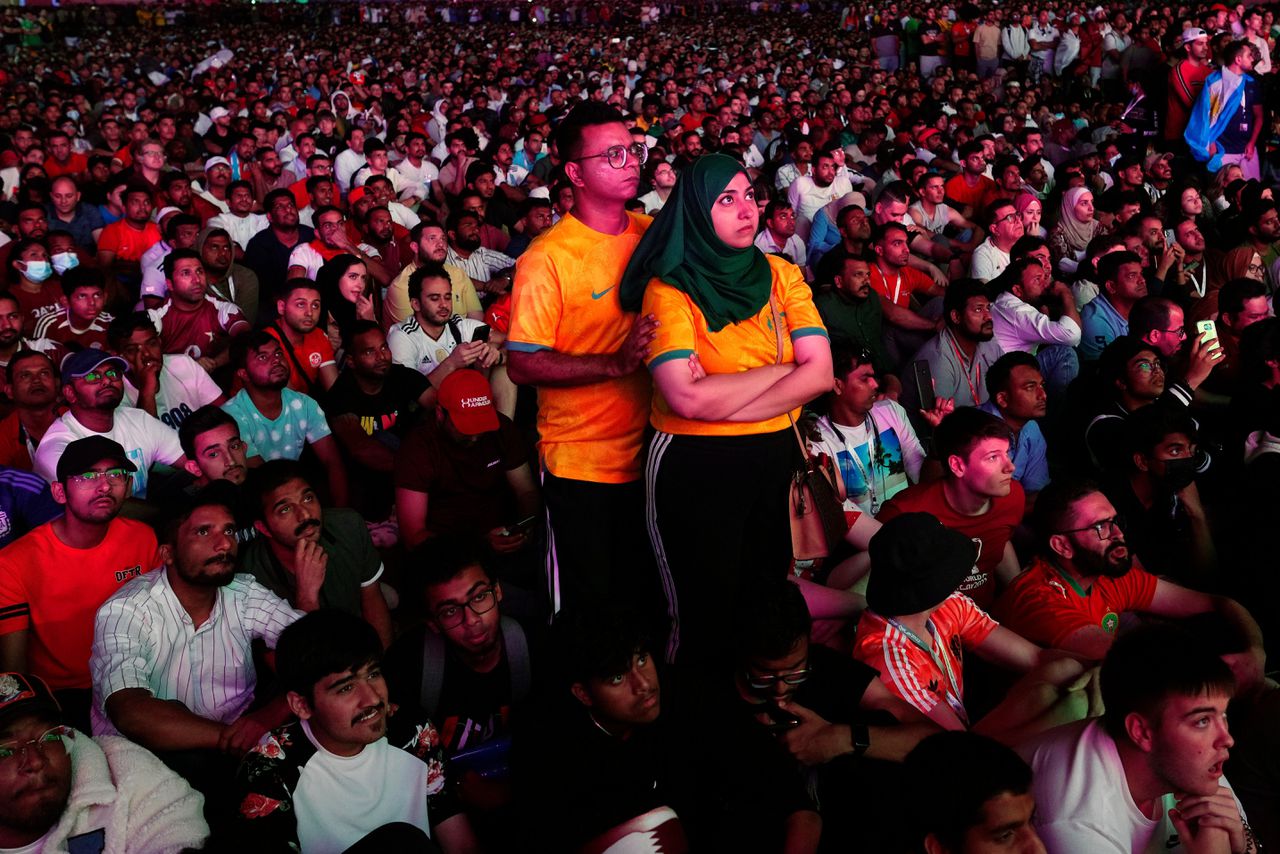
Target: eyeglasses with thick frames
[1104,528]
[17,750]
[484,601]
[620,155]
[765,683]
[1148,367]
[88,477]
[95,377]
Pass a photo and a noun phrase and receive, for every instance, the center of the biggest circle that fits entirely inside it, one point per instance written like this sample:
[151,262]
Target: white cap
[218,112]
[1192,34]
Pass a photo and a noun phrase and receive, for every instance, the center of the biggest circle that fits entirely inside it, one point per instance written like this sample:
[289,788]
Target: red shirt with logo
[313,353]
[205,331]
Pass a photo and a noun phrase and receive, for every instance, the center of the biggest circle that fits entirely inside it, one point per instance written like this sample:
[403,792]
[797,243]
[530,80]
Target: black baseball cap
[82,454]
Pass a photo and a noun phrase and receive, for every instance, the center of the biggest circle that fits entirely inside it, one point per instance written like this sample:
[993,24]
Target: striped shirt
[144,638]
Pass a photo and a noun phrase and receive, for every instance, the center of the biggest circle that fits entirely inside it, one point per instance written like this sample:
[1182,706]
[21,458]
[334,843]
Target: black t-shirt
[1240,128]
[388,410]
[930,48]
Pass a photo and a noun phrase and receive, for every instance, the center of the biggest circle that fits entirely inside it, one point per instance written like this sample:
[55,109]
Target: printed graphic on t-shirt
[887,471]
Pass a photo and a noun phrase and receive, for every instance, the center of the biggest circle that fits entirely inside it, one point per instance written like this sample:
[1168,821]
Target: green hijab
[682,249]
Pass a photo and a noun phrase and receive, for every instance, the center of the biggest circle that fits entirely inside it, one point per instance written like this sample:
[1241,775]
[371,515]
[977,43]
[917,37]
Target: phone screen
[924,384]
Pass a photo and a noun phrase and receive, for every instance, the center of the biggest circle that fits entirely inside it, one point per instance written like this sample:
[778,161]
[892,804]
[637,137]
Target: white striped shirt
[144,638]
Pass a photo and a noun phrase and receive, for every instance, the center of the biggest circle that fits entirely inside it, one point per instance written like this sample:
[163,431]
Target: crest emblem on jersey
[1110,622]
[314,358]
[5,524]
[9,688]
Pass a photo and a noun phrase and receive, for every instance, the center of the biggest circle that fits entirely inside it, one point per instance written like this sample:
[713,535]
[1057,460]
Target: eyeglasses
[95,377]
[1179,333]
[482,602]
[619,155]
[112,475]
[1009,217]
[12,750]
[1149,367]
[764,683]
[1256,268]
[1103,528]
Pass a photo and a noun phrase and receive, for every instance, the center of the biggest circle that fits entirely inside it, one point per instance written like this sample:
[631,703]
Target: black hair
[270,476]
[1001,370]
[217,494]
[1150,314]
[82,277]
[1053,505]
[426,270]
[959,292]
[1113,364]
[445,558]
[771,209]
[1108,266]
[24,354]
[847,355]
[769,619]
[1148,664]
[179,220]
[963,429]
[568,134]
[1025,245]
[274,195]
[1148,426]
[1232,297]
[125,325]
[597,642]
[171,260]
[249,342]
[947,811]
[286,288]
[323,643]
[202,420]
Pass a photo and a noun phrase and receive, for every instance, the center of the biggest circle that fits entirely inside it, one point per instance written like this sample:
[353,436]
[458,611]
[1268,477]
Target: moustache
[301,529]
[223,559]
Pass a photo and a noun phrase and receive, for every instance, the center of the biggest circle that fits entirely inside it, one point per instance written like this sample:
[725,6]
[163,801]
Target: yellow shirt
[682,331]
[395,303]
[565,298]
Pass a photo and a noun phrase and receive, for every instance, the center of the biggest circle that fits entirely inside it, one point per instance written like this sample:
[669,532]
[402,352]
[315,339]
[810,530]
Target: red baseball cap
[466,396]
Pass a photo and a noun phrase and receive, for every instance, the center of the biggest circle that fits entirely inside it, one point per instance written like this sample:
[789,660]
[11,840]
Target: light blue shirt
[1029,453]
[301,423]
[1102,324]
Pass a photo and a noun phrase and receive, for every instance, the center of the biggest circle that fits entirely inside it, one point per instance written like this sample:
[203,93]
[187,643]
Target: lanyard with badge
[872,443]
[952,692]
[897,285]
[975,381]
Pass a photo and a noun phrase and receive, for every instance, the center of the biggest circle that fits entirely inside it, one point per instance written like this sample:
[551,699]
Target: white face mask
[64,261]
[38,271]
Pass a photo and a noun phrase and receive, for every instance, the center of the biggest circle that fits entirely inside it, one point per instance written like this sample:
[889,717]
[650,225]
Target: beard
[1109,563]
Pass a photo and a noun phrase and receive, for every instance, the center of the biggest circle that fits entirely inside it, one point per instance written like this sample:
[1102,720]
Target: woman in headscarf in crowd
[346,292]
[739,350]
[1030,208]
[1075,228]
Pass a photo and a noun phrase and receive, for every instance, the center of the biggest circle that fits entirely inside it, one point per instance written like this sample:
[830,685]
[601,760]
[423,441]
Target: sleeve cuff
[805,331]
[668,356]
[523,347]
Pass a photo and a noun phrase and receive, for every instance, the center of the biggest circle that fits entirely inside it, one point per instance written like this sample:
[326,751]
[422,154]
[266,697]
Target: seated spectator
[1022,318]
[852,314]
[241,223]
[535,218]
[267,253]
[778,237]
[31,383]
[168,386]
[26,502]
[331,240]
[276,421]
[963,351]
[1004,229]
[1161,323]
[1149,772]
[300,790]
[993,810]
[371,408]
[972,189]
[895,283]
[312,556]
[211,442]
[80,322]
[30,283]
[1106,317]
[180,232]
[464,471]
[138,805]
[93,385]
[1157,493]
[12,338]
[429,245]
[1086,581]
[490,270]
[1241,303]
[434,340]
[172,662]
[226,279]
[67,212]
[190,320]
[1016,394]
[123,243]
[46,618]
[977,497]
[918,630]
[312,367]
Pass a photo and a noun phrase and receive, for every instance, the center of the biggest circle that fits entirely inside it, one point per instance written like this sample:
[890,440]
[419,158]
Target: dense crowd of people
[706,426]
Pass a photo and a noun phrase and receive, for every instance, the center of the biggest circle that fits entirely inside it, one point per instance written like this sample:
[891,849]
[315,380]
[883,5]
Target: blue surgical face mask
[74,115]
[38,271]
[64,261]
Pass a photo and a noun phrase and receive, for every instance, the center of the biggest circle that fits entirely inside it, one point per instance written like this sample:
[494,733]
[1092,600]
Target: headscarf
[1077,233]
[682,249]
[1024,200]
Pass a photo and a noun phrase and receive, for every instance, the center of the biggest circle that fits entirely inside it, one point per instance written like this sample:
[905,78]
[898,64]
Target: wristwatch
[860,737]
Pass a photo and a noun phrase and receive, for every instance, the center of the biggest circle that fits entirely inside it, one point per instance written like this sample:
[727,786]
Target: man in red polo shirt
[977,497]
[123,242]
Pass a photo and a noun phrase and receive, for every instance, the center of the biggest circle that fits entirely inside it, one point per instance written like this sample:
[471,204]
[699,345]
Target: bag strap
[433,659]
[293,357]
[517,646]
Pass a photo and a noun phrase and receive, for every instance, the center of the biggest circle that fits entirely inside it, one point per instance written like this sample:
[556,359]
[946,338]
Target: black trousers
[717,516]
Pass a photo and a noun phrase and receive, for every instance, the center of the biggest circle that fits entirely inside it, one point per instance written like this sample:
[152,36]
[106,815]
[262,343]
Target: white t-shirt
[1082,798]
[305,256]
[341,799]
[897,450]
[145,441]
[152,263]
[345,165]
[241,228]
[184,388]
[413,348]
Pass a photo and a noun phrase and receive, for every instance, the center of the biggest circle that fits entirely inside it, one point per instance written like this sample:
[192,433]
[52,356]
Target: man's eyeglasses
[1148,367]
[1009,217]
[113,475]
[95,377]
[1103,528]
[619,155]
[482,602]
[765,683]
[1177,333]
[11,750]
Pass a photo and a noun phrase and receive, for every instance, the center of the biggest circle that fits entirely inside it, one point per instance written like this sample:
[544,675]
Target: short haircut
[127,324]
[1235,293]
[769,619]
[1055,502]
[320,644]
[568,134]
[847,355]
[250,342]
[1113,364]
[962,430]
[239,185]
[959,292]
[1148,664]
[23,355]
[445,558]
[456,217]
[880,232]
[597,642]
[532,204]
[204,419]
[1148,426]
[171,260]
[1025,245]
[1232,51]
[177,221]
[270,476]
[936,806]
[1001,370]
[356,329]
[970,148]
[285,289]
[168,179]
[771,209]
[274,196]
[82,277]
[425,271]
[1150,314]
[373,144]
[478,169]
[989,212]
[1108,265]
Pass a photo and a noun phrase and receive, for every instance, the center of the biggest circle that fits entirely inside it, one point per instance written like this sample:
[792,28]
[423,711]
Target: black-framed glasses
[482,602]
[1180,333]
[1104,528]
[1009,217]
[113,475]
[765,683]
[95,377]
[1147,366]
[620,155]
[17,750]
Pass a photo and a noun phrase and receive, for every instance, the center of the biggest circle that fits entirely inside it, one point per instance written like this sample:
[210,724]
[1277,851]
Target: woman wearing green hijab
[725,382]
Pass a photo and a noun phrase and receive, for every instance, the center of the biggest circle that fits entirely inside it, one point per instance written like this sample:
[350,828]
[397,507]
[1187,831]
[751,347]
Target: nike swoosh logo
[595,295]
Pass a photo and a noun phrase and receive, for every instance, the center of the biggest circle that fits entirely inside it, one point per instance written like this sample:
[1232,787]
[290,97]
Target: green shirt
[859,322]
[353,564]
